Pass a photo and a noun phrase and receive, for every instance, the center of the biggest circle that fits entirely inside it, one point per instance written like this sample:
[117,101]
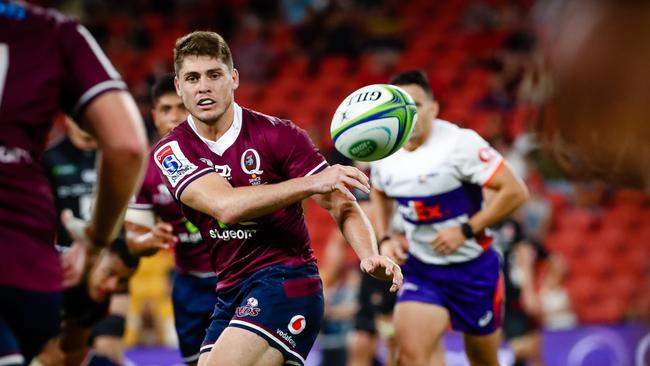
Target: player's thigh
[241,347]
[482,349]
[418,328]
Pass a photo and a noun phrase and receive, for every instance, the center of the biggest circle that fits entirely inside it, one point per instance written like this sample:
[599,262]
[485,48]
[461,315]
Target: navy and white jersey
[439,185]
[72,175]
[257,149]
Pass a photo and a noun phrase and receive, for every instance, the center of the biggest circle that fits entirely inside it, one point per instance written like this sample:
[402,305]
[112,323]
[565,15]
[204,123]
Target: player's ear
[178,88]
[435,109]
[235,79]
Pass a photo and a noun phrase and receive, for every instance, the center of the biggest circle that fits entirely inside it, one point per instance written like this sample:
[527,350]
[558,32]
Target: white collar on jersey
[227,139]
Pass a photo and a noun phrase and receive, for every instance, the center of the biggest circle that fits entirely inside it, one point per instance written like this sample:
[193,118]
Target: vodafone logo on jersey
[297,324]
[486,154]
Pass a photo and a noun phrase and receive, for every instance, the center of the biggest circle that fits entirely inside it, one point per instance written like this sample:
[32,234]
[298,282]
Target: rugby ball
[373,122]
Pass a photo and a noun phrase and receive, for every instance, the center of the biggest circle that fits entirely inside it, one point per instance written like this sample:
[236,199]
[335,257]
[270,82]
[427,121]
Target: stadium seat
[576,219]
[602,310]
[568,242]
[624,217]
[629,197]
[612,239]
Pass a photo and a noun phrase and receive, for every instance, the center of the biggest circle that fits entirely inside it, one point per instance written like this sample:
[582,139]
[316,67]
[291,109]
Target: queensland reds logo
[249,309]
[486,154]
[250,162]
[297,324]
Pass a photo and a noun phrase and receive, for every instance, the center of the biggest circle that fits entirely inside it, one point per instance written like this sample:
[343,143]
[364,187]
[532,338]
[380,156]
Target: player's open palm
[383,268]
[341,178]
[448,240]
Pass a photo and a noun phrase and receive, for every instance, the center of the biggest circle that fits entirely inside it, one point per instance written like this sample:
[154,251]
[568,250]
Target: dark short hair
[417,77]
[119,248]
[162,86]
[202,43]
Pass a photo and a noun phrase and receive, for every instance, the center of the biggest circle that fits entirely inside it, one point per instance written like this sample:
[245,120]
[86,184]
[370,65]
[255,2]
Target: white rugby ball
[373,122]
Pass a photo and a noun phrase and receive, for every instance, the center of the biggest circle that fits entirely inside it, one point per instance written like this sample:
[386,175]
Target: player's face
[168,112]
[427,111]
[108,275]
[206,86]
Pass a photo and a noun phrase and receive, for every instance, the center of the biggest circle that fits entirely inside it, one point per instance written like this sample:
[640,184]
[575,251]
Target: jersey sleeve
[179,164]
[476,161]
[88,72]
[296,151]
[143,199]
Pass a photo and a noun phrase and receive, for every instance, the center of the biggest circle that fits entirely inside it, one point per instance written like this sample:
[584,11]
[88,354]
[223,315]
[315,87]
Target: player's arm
[109,332]
[357,230]
[509,193]
[383,208]
[74,341]
[213,195]
[114,120]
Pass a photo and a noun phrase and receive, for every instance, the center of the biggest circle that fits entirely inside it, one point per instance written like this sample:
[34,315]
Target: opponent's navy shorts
[472,292]
[282,304]
[193,297]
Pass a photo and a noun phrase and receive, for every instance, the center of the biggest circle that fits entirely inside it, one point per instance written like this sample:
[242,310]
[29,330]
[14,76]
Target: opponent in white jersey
[451,275]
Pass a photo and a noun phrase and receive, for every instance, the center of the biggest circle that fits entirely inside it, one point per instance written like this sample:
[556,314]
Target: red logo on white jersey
[297,324]
[486,154]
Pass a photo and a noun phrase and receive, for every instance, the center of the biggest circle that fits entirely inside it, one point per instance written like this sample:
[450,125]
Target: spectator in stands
[557,312]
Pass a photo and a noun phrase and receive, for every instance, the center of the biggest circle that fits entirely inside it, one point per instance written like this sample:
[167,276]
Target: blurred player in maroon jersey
[50,63]
[240,176]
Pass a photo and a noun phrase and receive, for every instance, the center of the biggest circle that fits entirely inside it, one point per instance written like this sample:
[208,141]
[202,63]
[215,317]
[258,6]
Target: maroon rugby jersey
[257,149]
[190,251]
[48,64]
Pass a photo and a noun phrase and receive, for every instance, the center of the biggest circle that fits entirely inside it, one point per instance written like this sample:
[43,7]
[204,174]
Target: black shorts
[516,323]
[374,299]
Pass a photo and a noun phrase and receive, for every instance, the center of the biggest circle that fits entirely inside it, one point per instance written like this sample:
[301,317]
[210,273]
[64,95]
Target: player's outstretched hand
[396,250]
[448,240]
[383,268]
[159,237]
[340,178]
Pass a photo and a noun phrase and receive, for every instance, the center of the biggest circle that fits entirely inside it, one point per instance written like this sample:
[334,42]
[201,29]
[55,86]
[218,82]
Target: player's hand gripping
[394,249]
[149,243]
[383,268]
[74,259]
[448,240]
[340,178]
